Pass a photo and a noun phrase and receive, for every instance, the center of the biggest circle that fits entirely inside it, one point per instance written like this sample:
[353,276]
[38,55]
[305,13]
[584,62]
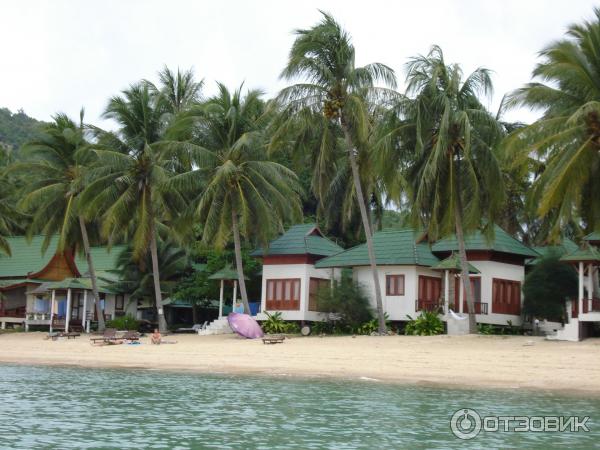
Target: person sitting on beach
[156,337]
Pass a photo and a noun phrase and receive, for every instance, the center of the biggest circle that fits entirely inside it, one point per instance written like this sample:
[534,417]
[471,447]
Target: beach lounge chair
[194,329]
[273,339]
[110,334]
[131,336]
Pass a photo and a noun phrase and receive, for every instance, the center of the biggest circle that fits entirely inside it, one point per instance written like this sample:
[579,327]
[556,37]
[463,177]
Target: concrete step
[217,326]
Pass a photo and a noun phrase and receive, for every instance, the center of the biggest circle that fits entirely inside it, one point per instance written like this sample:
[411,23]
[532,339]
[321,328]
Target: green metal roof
[566,247]
[301,240]
[594,236]
[104,259]
[26,256]
[452,263]
[226,273]
[584,254]
[393,247]
[501,242]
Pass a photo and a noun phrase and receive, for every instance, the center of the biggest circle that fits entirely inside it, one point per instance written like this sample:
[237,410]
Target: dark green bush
[124,323]
[547,287]
[347,301]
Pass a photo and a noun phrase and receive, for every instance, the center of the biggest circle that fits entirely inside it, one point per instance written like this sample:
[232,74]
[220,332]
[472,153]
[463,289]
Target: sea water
[60,407]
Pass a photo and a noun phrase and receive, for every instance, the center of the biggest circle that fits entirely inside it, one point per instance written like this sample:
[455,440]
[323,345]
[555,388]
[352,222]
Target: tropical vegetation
[185,179]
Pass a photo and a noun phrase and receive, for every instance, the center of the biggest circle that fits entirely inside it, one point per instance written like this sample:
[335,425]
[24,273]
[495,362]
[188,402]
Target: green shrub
[372,326]
[486,328]
[124,323]
[427,324]
[347,300]
[275,324]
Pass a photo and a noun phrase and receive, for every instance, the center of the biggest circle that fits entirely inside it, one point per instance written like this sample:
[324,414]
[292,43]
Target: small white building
[411,281]
[584,310]
[290,280]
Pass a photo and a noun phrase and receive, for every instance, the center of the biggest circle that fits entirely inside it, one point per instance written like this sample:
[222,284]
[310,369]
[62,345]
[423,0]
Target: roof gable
[303,239]
[501,242]
[393,247]
[26,256]
[27,260]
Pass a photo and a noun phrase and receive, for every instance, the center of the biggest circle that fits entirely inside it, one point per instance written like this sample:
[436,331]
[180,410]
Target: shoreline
[441,362]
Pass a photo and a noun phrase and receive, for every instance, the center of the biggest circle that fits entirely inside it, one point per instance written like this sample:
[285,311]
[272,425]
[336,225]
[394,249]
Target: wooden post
[68,314]
[84,322]
[234,295]
[52,308]
[221,299]
[580,294]
[446,291]
[461,290]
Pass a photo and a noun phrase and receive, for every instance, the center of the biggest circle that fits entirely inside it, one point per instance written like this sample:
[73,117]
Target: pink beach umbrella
[244,325]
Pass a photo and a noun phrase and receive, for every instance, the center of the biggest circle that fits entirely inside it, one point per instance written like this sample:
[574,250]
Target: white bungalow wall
[400,307]
[303,271]
[490,270]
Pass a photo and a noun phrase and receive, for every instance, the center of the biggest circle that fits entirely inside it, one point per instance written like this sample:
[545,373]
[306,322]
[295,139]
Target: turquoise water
[55,407]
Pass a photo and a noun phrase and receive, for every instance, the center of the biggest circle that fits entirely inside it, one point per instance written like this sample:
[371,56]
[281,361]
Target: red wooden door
[429,291]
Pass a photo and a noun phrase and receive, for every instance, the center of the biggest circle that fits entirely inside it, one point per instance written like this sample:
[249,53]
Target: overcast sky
[60,55]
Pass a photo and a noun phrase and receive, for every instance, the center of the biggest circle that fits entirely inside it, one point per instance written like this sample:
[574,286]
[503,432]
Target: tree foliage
[547,287]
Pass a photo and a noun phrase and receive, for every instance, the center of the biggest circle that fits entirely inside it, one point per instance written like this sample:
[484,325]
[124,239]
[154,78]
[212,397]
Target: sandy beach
[466,361]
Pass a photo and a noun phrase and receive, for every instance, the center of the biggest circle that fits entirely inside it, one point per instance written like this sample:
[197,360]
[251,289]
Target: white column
[52,308]
[68,314]
[446,291]
[221,300]
[84,321]
[234,294]
[590,286]
[580,294]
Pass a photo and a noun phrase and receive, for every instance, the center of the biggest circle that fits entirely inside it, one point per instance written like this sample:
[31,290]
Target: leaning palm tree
[56,165]
[239,193]
[323,56]
[456,176]
[566,139]
[133,165]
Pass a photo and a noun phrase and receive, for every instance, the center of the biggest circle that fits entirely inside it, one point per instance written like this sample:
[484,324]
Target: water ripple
[63,408]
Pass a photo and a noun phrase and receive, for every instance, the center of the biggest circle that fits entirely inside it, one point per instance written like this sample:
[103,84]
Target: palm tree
[238,191]
[136,278]
[567,136]
[457,181]
[57,162]
[178,91]
[133,166]
[323,56]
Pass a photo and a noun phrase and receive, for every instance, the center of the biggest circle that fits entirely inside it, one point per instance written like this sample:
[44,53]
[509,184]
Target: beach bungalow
[53,289]
[416,276]
[584,310]
[290,280]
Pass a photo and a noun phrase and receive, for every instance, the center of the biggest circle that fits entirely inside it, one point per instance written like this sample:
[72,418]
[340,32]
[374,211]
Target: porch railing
[13,312]
[427,305]
[480,307]
[586,306]
[37,316]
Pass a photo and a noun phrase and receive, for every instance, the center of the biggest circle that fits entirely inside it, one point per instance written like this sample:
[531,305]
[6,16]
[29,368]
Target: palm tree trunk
[464,267]
[88,255]
[366,225]
[238,260]
[162,323]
